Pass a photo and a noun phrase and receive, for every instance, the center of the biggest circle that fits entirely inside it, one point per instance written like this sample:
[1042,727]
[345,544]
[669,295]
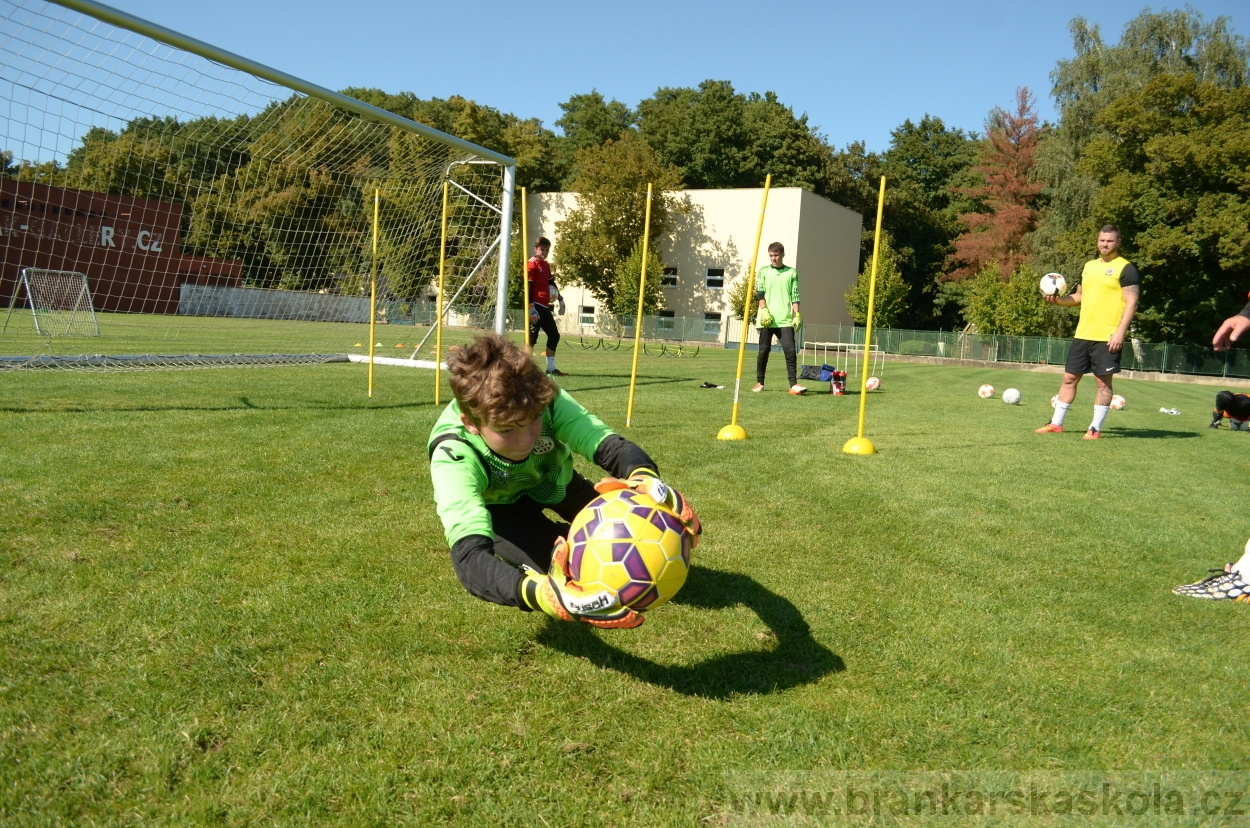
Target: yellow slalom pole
[525,274]
[733,431]
[373,290]
[860,444]
[438,319]
[642,287]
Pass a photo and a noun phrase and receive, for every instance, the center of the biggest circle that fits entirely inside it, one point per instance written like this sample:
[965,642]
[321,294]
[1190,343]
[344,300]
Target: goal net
[214,206]
[59,302]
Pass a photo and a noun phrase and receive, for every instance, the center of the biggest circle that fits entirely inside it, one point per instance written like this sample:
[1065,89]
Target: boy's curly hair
[496,382]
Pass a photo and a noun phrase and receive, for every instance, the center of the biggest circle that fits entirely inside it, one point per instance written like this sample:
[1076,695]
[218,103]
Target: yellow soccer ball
[626,543]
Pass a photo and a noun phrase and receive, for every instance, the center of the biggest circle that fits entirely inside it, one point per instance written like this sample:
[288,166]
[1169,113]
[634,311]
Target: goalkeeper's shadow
[795,658]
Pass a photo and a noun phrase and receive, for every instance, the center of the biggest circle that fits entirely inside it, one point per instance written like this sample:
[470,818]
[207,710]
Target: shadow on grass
[794,659]
[1150,433]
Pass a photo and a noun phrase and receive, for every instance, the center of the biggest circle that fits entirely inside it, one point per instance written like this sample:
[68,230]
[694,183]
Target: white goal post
[59,300]
[217,206]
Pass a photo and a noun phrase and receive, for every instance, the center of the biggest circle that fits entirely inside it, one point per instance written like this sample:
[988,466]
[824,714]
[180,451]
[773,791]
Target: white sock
[551,363]
[1061,411]
[1242,567]
[1100,414]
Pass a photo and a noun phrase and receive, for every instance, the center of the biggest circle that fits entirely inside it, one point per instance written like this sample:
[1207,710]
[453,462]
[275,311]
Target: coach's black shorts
[1089,357]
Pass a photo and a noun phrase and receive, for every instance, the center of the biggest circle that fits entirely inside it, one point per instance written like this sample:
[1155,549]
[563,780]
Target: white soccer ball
[1054,401]
[873,383]
[1011,396]
[1238,425]
[1117,402]
[1053,284]
[985,392]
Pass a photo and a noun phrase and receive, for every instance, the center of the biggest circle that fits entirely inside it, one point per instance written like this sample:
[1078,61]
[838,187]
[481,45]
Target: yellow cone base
[859,445]
[732,432]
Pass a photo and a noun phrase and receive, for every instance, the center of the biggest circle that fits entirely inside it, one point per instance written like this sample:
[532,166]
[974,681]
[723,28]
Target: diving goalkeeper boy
[501,453]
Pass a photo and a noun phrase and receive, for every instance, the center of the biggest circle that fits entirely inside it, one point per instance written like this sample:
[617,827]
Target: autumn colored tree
[997,233]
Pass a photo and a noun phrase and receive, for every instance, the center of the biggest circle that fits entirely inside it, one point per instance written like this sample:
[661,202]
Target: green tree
[1152,44]
[1099,74]
[890,299]
[1013,307]
[588,121]
[599,234]
[1173,165]
[781,144]
[926,168]
[702,132]
[539,166]
[628,276]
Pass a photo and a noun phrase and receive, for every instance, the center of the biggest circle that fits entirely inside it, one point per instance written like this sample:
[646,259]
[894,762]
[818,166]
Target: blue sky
[857,69]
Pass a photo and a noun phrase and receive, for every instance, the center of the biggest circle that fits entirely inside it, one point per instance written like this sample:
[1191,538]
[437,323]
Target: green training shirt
[780,286]
[467,475]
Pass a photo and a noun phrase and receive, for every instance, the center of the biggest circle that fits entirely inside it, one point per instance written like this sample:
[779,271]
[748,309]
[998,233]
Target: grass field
[225,599]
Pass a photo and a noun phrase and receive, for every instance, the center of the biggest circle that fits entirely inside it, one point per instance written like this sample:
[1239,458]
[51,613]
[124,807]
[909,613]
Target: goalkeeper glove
[560,300]
[797,321]
[645,481]
[765,319]
[561,598]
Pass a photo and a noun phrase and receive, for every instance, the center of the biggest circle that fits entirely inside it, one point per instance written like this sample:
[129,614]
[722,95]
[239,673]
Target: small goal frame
[62,297]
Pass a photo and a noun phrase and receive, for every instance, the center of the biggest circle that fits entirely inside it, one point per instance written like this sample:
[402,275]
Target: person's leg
[1078,364]
[532,333]
[1067,393]
[1105,365]
[553,339]
[1102,403]
[761,357]
[786,335]
[524,535]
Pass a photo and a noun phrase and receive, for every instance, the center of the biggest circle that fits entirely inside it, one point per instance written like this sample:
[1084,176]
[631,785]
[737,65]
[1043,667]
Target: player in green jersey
[500,454]
[777,289]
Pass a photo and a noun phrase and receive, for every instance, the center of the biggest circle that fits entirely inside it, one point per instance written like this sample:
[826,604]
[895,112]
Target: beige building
[706,254]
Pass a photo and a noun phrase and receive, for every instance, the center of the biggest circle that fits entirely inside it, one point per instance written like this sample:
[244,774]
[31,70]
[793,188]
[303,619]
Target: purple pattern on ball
[631,592]
[647,599]
[685,549]
[636,566]
[621,550]
[666,521]
[575,561]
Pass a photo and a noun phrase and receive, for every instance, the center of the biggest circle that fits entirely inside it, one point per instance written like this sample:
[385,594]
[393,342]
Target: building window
[711,323]
[669,279]
[587,315]
[716,278]
[664,322]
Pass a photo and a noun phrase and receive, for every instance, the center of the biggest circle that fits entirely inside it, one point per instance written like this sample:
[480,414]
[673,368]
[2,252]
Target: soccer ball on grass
[985,392]
[1011,396]
[873,383]
[1117,402]
[626,543]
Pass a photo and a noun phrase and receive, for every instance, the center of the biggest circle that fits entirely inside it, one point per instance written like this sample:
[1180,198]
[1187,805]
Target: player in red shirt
[543,292]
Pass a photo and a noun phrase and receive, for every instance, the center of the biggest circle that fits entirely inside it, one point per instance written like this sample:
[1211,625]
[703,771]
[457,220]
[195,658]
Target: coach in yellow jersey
[1108,293]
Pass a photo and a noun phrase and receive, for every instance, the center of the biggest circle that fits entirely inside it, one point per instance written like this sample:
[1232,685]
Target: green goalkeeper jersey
[467,475]
[780,289]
